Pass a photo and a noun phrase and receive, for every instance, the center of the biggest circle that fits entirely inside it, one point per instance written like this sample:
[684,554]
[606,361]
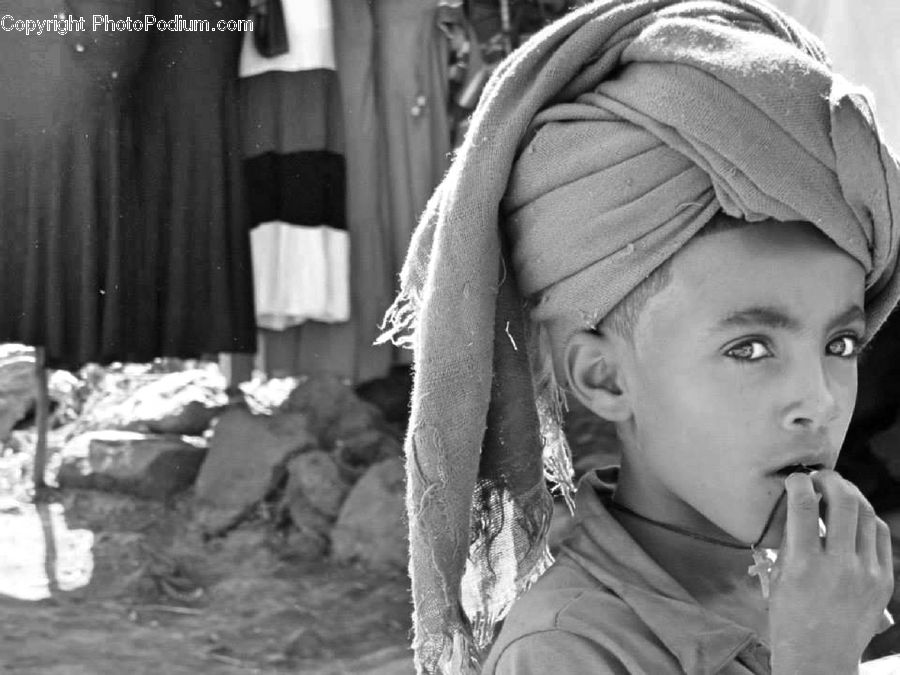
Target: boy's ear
[594,372]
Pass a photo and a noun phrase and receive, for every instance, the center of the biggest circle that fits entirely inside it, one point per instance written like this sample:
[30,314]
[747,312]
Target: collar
[702,641]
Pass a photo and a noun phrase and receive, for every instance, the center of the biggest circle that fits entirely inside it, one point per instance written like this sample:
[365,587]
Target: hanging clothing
[190,275]
[65,191]
[389,56]
[372,275]
[348,349]
[411,59]
[278,275]
[293,149]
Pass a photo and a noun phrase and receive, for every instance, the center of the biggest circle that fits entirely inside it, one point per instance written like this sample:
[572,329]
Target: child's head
[606,145]
[735,360]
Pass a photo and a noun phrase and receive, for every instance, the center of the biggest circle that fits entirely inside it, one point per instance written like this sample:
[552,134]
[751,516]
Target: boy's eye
[846,346]
[751,350]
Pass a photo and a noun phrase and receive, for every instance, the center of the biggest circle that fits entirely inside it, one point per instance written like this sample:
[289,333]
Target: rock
[308,540]
[266,396]
[333,409]
[355,454]
[154,467]
[390,394]
[352,421]
[17,390]
[119,565]
[67,393]
[110,512]
[182,402]
[247,457]
[192,419]
[313,496]
[371,527]
[314,481]
[177,403]
[12,350]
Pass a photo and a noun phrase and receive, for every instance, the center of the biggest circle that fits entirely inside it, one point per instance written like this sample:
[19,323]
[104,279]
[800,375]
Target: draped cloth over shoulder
[597,151]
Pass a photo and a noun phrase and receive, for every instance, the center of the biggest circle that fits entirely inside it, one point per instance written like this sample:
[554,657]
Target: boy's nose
[813,404]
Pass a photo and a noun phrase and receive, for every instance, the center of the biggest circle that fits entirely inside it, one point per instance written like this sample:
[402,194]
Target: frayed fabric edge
[484,624]
[401,320]
[460,653]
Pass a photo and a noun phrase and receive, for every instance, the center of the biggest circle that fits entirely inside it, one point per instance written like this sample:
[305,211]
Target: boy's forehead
[790,269]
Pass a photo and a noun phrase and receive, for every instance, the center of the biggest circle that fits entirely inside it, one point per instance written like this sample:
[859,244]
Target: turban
[598,149]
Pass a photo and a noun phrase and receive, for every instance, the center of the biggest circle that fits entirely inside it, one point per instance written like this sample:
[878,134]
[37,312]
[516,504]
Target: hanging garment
[411,60]
[392,66]
[191,277]
[65,191]
[293,145]
[324,266]
[372,274]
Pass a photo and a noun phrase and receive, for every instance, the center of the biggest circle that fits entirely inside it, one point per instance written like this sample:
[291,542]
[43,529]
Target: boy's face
[744,364]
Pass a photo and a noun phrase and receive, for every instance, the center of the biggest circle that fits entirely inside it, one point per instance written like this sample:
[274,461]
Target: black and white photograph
[449,337]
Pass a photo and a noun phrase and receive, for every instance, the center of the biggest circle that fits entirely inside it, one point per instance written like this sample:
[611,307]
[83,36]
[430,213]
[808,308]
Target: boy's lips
[799,467]
[803,464]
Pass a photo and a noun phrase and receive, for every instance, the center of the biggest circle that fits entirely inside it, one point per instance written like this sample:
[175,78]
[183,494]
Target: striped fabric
[296,173]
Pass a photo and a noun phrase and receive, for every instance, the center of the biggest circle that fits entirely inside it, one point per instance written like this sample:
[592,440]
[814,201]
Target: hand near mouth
[828,594]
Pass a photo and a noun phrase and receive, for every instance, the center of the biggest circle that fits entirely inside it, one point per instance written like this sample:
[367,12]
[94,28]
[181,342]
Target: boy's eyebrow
[773,317]
[770,317]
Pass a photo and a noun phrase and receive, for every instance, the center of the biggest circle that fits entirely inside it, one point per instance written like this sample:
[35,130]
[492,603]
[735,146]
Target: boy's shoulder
[568,622]
[605,606]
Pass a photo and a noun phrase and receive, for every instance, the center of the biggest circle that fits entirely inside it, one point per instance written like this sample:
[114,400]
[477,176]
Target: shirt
[605,606]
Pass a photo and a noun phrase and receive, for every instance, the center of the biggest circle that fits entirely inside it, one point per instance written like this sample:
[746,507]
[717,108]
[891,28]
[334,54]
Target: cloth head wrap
[609,140]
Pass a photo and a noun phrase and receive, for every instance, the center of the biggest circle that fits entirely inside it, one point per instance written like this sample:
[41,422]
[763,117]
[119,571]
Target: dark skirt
[123,231]
[192,278]
[65,188]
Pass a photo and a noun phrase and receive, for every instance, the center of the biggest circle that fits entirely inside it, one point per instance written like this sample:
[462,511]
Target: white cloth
[310,28]
[300,274]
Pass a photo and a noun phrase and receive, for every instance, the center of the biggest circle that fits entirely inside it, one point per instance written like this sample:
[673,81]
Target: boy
[695,235]
[713,413]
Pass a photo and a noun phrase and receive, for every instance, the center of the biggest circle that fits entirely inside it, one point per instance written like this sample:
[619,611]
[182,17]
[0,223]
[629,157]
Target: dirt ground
[97,584]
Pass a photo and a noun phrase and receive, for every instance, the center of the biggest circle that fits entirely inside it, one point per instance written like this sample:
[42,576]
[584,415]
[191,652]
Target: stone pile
[324,461]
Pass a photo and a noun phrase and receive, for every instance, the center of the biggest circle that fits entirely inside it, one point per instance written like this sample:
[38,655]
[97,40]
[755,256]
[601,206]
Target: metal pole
[42,414]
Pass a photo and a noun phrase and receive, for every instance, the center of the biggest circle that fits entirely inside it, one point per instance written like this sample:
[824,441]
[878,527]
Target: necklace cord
[702,537]
[680,530]
[713,540]
[769,520]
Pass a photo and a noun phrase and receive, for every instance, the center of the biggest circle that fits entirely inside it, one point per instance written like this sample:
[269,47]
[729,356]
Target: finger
[841,499]
[883,544]
[801,531]
[866,533]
